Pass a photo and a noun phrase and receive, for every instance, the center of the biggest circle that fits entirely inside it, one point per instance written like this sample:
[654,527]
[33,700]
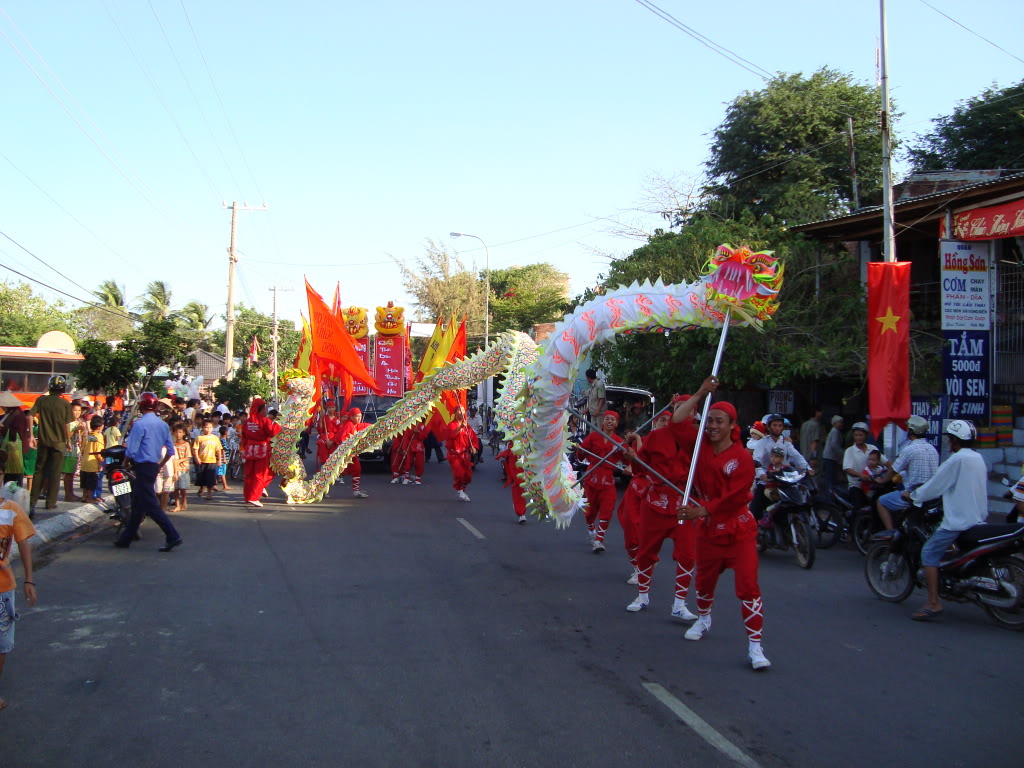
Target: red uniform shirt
[600,444]
[461,439]
[256,432]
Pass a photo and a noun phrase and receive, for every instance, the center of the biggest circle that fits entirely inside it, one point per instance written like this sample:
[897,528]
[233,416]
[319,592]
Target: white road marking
[698,724]
[470,528]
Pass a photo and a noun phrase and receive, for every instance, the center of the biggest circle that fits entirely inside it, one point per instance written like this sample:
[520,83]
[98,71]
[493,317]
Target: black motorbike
[983,566]
[788,523]
[839,519]
[120,480]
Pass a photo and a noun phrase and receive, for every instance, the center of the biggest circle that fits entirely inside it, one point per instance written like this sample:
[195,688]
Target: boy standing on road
[14,527]
[208,455]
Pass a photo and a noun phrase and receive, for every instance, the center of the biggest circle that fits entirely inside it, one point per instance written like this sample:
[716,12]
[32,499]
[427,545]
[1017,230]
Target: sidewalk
[55,524]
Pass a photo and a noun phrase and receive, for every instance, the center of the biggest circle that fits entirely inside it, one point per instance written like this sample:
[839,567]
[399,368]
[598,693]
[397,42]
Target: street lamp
[487,303]
[487,283]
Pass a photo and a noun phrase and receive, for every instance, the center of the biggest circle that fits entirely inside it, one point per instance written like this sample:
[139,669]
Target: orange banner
[332,344]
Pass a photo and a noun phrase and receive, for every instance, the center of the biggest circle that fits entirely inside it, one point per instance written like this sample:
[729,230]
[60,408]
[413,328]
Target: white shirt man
[763,448]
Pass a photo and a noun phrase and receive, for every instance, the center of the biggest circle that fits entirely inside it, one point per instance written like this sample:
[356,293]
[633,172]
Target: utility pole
[273,354]
[229,329]
[888,237]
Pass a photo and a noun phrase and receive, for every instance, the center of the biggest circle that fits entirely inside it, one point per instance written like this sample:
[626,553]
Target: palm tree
[193,316]
[110,294]
[155,303]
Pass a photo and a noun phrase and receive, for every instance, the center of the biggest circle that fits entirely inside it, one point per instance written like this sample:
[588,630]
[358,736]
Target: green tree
[194,319]
[247,383]
[523,296]
[158,344]
[111,295]
[442,286]
[155,303]
[783,150]
[102,323]
[107,368]
[25,316]
[250,322]
[986,131]
[815,333]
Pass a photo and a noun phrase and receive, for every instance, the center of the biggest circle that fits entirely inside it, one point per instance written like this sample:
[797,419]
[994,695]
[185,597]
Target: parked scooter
[120,480]
[788,523]
[982,567]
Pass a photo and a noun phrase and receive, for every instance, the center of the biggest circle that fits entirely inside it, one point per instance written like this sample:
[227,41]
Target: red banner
[990,223]
[332,345]
[888,342]
[389,352]
[362,349]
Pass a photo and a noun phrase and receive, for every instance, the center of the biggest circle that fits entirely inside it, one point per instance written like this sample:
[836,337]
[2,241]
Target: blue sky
[370,127]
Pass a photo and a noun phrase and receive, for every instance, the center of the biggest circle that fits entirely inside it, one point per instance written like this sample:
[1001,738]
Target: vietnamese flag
[333,345]
[888,342]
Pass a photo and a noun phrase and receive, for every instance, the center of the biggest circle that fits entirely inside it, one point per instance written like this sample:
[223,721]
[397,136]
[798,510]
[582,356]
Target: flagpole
[888,237]
[704,412]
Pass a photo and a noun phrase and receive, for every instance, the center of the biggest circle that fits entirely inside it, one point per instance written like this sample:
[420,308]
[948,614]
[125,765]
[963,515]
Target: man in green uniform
[54,413]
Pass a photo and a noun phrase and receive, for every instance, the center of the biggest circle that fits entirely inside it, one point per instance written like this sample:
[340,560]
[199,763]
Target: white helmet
[860,425]
[918,425]
[964,430]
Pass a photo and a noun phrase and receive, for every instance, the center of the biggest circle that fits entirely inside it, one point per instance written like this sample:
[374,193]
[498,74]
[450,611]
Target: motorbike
[983,567]
[840,520]
[120,480]
[789,522]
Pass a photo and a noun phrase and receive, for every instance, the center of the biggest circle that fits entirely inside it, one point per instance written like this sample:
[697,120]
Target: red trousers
[518,500]
[741,556]
[354,469]
[400,462]
[600,507]
[654,528]
[322,454]
[415,463]
[462,469]
[257,477]
[629,514]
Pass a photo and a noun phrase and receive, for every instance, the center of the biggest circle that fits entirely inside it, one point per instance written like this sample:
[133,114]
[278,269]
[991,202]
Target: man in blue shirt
[145,445]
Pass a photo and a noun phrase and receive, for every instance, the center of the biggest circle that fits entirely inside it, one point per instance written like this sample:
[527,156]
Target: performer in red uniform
[513,479]
[355,468]
[462,444]
[599,485]
[256,433]
[727,532]
[327,430]
[416,453]
[401,456]
[657,515]
[629,507]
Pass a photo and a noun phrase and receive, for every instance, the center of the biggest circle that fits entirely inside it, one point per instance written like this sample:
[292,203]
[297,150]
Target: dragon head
[740,277]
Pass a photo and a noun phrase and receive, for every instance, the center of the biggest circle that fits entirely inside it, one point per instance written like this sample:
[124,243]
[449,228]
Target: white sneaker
[405,480]
[634,577]
[757,658]
[394,480]
[522,519]
[597,546]
[700,628]
[266,495]
[680,611]
[640,602]
[463,496]
[417,482]
[254,503]
[361,494]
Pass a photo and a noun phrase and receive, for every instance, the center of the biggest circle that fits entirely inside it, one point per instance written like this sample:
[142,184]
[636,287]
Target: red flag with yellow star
[888,343]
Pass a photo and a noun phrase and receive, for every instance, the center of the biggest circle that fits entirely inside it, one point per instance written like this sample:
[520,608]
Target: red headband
[612,413]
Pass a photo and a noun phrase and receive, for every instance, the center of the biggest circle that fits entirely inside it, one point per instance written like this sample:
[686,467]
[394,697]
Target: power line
[191,91]
[968,29]
[220,101]
[71,215]
[163,103]
[45,264]
[707,42]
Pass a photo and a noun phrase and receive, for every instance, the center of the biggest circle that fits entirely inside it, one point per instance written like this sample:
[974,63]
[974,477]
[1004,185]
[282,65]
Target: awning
[991,223]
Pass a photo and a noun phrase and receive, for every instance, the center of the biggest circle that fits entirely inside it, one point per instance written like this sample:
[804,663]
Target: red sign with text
[363,350]
[389,353]
[990,223]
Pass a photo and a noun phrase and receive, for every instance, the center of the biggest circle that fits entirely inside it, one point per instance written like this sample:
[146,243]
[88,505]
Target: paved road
[384,632]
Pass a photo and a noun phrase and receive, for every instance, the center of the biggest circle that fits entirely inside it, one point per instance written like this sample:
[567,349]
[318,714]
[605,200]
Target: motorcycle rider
[855,459]
[917,464]
[775,424]
[962,481]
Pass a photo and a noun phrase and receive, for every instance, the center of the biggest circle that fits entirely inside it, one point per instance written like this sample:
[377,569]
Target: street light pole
[487,301]
[487,283]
